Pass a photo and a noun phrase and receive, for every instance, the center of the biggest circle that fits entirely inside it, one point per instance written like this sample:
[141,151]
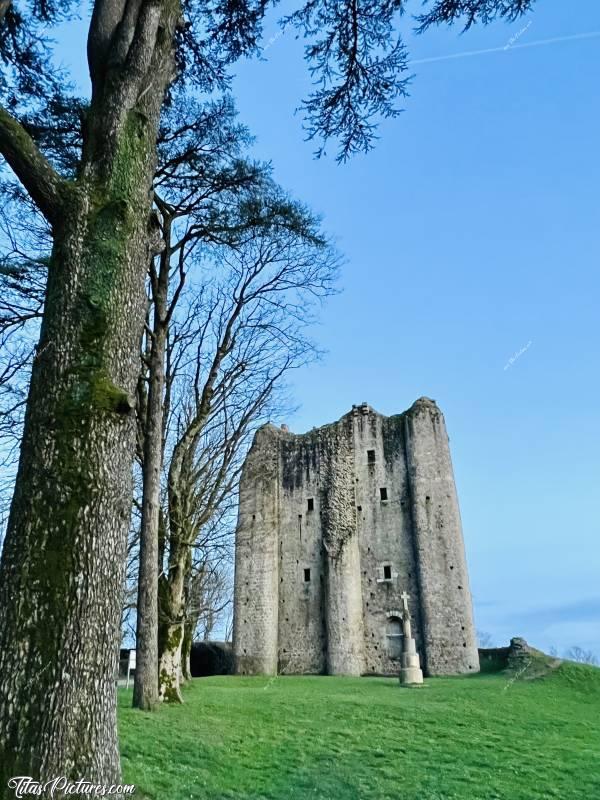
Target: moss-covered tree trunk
[62,570]
[172,620]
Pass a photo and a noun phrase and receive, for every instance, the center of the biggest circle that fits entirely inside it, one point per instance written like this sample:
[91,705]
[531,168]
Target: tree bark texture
[62,569]
[186,652]
[145,688]
[172,620]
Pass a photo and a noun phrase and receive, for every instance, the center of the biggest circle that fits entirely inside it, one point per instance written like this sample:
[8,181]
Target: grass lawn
[291,738]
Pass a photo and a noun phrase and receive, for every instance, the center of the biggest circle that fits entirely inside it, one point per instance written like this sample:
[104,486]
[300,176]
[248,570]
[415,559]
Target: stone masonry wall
[340,552]
[447,627]
[255,601]
[334,525]
[385,533]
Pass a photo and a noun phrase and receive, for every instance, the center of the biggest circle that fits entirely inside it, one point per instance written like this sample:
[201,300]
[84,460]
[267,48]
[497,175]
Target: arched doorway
[394,637]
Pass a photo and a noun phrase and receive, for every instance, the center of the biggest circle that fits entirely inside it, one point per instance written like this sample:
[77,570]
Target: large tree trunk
[63,562]
[61,577]
[145,688]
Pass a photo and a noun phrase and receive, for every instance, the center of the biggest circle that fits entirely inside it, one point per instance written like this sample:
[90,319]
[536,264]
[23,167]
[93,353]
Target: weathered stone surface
[527,662]
[518,660]
[334,525]
[493,659]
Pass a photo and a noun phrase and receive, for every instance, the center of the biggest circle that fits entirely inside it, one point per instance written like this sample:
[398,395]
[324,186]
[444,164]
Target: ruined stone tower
[334,525]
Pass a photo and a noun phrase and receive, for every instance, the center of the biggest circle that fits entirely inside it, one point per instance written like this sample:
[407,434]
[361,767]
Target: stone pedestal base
[410,672]
[411,676]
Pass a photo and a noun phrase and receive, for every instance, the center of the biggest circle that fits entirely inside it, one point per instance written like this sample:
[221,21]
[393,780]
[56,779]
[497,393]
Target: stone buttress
[447,629]
[256,560]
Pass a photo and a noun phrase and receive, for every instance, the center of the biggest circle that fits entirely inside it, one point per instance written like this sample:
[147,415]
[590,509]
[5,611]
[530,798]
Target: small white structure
[130,665]
[411,673]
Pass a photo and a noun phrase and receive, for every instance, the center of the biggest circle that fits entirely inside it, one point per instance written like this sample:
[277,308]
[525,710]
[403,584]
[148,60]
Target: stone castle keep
[336,528]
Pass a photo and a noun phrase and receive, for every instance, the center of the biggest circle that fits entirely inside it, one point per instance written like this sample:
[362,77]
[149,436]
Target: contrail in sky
[508,47]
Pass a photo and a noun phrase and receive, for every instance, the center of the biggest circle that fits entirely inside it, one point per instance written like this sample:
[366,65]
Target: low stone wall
[493,659]
[519,658]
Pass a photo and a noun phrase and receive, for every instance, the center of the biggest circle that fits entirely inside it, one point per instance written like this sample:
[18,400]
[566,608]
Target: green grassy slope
[291,738]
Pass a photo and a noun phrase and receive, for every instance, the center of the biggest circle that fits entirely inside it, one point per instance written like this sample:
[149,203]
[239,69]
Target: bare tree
[199,177]
[209,599]
[26,244]
[582,656]
[484,639]
[208,595]
[250,333]
[206,195]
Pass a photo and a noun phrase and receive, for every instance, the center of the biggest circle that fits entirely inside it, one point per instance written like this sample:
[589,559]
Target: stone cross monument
[410,671]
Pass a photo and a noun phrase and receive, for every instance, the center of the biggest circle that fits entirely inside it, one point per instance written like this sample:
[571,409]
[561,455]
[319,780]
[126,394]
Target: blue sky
[471,238]
[471,234]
